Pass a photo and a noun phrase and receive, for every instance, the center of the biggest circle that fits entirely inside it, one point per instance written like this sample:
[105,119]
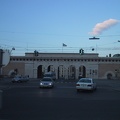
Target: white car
[86,84]
[20,79]
[47,82]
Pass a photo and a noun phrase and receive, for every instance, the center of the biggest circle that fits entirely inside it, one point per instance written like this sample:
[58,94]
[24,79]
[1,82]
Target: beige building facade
[65,65]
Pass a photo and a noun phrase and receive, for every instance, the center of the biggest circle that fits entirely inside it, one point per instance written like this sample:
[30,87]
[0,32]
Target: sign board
[5,57]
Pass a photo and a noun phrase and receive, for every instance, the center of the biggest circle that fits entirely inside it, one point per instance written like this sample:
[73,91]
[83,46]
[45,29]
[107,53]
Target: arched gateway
[64,66]
[39,72]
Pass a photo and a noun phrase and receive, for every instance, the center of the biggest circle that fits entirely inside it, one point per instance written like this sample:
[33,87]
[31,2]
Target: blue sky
[44,25]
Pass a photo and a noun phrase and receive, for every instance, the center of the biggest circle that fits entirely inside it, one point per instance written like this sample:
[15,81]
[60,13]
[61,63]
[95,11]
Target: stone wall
[108,68]
[12,66]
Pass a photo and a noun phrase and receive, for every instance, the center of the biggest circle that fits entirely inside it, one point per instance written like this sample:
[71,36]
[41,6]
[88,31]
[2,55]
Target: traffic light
[81,51]
[36,53]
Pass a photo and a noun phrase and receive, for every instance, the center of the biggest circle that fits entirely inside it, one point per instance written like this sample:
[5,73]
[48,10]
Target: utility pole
[1,57]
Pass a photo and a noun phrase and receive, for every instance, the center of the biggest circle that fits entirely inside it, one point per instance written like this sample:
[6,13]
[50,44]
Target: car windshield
[47,75]
[17,77]
[46,79]
[85,80]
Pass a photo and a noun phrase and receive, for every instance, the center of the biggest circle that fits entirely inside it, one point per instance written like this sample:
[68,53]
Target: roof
[63,55]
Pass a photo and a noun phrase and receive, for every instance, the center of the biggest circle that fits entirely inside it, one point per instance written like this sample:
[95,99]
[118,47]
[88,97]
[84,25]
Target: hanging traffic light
[36,53]
[81,51]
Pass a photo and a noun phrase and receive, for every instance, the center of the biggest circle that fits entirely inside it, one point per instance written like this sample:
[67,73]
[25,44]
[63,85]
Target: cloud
[100,27]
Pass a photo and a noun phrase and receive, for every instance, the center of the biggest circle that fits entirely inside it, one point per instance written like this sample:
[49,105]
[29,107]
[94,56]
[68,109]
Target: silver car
[86,84]
[20,79]
[47,82]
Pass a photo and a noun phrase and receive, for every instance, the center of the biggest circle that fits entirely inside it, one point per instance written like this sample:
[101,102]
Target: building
[65,65]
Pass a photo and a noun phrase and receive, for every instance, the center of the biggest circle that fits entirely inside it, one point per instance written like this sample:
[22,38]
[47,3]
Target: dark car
[47,82]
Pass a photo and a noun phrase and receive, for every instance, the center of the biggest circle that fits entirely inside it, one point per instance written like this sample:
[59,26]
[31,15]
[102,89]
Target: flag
[64,45]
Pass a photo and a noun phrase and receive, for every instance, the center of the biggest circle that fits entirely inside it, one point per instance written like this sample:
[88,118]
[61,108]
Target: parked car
[47,82]
[20,79]
[86,84]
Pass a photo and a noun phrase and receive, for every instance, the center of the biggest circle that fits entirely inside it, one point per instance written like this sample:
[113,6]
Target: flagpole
[62,48]
[96,48]
[63,45]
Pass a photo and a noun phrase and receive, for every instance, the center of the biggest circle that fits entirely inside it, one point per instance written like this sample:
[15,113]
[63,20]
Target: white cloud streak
[100,27]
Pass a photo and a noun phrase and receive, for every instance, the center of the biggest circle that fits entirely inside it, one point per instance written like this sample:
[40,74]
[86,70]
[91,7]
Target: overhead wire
[42,48]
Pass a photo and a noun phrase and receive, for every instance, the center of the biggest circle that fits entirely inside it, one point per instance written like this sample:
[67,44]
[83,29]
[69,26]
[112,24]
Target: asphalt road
[26,101]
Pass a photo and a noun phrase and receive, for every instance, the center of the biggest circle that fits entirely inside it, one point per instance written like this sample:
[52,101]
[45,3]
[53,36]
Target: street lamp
[94,38]
[12,50]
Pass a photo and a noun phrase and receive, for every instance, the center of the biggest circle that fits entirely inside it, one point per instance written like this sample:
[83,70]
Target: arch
[82,71]
[39,71]
[11,73]
[71,72]
[50,68]
[60,71]
[109,75]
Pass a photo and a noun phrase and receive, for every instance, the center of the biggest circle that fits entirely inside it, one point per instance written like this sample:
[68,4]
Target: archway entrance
[71,72]
[82,71]
[50,68]
[39,72]
[61,72]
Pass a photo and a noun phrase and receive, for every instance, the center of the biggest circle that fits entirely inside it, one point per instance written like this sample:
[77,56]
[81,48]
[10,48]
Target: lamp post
[94,38]
[1,61]
[12,50]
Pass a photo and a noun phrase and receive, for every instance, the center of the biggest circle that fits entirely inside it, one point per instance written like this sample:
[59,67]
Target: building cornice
[85,59]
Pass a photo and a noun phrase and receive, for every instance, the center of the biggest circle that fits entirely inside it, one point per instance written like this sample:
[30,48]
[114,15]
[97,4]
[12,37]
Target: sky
[44,25]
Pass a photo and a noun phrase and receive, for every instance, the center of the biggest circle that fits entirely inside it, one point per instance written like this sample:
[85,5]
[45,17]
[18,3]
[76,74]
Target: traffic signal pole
[1,57]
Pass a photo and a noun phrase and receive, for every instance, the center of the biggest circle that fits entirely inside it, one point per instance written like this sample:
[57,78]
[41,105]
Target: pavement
[113,83]
[4,83]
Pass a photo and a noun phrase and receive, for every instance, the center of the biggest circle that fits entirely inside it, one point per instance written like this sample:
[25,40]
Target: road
[26,101]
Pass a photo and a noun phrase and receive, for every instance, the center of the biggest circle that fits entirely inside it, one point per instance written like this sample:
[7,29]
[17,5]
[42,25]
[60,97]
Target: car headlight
[50,83]
[41,83]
